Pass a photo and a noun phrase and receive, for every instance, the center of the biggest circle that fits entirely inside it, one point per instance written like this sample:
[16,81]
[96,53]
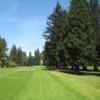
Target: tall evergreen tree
[3,50]
[54,37]
[13,54]
[80,42]
[95,19]
[19,56]
[30,60]
[37,57]
[24,59]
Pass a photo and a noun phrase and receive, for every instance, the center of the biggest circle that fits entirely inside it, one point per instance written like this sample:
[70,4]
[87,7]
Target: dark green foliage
[10,64]
[19,56]
[80,40]
[13,54]
[94,8]
[37,57]
[30,60]
[3,50]
[71,37]
[24,59]
[54,31]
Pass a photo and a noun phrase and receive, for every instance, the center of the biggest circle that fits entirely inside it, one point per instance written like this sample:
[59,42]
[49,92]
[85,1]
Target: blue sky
[22,22]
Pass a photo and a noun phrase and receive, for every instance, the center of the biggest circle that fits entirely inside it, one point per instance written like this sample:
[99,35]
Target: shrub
[0,63]
[10,64]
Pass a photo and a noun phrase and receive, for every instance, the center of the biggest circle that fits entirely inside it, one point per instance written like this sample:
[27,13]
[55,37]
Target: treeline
[17,57]
[73,36]
[3,50]
[20,58]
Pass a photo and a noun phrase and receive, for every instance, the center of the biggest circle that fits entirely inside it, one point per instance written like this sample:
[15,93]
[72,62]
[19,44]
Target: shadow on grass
[81,73]
[95,73]
[49,69]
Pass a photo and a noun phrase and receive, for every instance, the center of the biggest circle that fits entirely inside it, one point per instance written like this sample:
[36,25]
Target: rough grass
[40,84]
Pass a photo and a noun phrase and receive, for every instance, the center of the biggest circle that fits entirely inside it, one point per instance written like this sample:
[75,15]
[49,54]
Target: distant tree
[37,57]
[13,54]
[30,60]
[3,50]
[19,56]
[41,58]
[24,59]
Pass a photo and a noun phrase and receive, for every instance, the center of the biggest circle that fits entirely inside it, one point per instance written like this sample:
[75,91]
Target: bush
[0,63]
[10,64]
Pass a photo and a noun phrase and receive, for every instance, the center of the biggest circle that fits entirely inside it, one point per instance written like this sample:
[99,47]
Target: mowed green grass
[40,84]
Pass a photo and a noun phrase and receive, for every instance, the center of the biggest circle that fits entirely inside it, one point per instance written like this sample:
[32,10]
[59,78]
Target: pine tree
[37,57]
[24,59]
[19,56]
[54,37]
[3,50]
[30,60]
[80,42]
[13,54]
[95,18]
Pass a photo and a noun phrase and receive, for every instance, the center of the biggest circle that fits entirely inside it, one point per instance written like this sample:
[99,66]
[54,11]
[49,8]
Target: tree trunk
[55,67]
[77,69]
[2,65]
[66,68]
[84,68]
[95,67]
[72,67]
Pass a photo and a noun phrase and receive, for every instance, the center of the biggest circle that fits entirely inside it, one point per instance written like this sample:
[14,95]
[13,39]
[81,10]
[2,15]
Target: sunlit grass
[37,83]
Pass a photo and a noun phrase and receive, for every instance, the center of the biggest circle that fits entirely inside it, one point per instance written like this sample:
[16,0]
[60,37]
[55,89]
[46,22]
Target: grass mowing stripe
[80,87]
[39,84]
[42,85]
[12,84]
[71,89]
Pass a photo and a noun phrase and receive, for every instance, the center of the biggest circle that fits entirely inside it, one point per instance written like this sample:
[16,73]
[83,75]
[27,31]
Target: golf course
[50,50]
[38,83]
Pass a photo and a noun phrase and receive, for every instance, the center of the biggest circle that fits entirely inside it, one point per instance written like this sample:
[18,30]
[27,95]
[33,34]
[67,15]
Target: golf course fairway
[38,83]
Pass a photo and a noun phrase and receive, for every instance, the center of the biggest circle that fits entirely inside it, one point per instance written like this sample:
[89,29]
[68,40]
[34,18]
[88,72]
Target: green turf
[40,84]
